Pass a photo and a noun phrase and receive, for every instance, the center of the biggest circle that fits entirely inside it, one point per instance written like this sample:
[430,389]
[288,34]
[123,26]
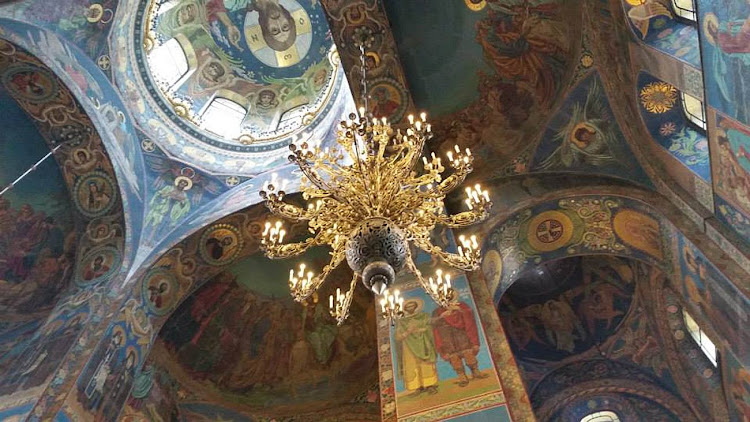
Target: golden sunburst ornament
[658,97]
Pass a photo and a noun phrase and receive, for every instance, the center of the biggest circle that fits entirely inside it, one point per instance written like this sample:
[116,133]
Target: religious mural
[656,24]
[716,299]
[37,236]
[272,57]
[32,360]
[85,23]
[662,112]
[496,87]
[177,191]
[585,305]
[585,137]
[440,355]
[573,226]
[732,175]
[725,43]
[738,387]
[296,359]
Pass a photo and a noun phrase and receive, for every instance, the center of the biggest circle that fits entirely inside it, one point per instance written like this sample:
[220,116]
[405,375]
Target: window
[705,343]
[168,63]
[684,9]
[694,110]
[224,118]
[604,416]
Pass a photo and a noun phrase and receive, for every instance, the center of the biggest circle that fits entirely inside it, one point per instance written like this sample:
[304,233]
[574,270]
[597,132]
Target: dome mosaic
[239,77]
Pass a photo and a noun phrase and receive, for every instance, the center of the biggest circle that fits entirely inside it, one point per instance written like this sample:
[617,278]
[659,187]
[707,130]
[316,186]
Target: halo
[79,150]
[708,19]
[97,11]
[374,56]
[418,301]
[186,179]
[475,5]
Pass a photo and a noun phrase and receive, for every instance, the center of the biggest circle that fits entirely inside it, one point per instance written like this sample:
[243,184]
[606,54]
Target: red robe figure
[457,339]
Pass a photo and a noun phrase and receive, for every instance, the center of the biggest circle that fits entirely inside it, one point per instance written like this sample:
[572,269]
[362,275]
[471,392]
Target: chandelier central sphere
[370,202]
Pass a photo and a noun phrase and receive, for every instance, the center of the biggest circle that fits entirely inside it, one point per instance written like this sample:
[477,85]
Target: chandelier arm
[459,262]
[288,211]
[453,181]
[341,311]
[411,267]
[463,219]
[288,250]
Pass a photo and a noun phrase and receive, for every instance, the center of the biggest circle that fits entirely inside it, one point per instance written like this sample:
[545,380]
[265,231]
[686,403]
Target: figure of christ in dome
[276,23]
[415,349]
[524,43]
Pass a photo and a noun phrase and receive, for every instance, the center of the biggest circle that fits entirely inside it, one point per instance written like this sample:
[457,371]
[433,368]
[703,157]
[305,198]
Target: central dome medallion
[241,75]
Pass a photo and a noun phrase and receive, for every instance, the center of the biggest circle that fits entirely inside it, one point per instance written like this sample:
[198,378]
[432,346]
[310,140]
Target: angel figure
[178,190]
[589,137]
[561,324]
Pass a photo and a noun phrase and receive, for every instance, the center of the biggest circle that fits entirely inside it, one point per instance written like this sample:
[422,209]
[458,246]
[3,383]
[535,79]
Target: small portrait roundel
[220,244]
[160,290]
[30,83]
[278,33]
[94,194]
[388,99]
[97,265]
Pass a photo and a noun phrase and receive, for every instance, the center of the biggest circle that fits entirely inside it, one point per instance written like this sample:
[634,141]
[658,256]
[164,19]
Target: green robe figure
[415,346]
[169,200]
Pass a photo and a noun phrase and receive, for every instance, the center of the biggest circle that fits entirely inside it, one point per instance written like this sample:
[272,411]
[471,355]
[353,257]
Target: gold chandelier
[368,203]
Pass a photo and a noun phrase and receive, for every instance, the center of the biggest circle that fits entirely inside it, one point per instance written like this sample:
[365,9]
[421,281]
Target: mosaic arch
[99,100]
[272,61]
[66,240]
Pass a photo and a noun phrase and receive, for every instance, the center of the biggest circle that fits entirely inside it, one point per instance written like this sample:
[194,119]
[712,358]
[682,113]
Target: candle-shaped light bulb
[423,116]
[411,119]
[330,301]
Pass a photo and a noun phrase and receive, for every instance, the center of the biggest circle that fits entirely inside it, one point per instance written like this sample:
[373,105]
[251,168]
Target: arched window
[603,416]
[684,9]
[694,110]
[168,63]
[224,118]
[700,337]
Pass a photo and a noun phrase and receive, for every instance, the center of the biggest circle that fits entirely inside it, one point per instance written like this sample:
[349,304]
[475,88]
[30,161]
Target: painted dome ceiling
[294,359]
[232,84]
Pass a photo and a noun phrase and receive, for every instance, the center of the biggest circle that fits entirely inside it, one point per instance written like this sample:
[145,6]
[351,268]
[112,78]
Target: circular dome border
[154,111]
